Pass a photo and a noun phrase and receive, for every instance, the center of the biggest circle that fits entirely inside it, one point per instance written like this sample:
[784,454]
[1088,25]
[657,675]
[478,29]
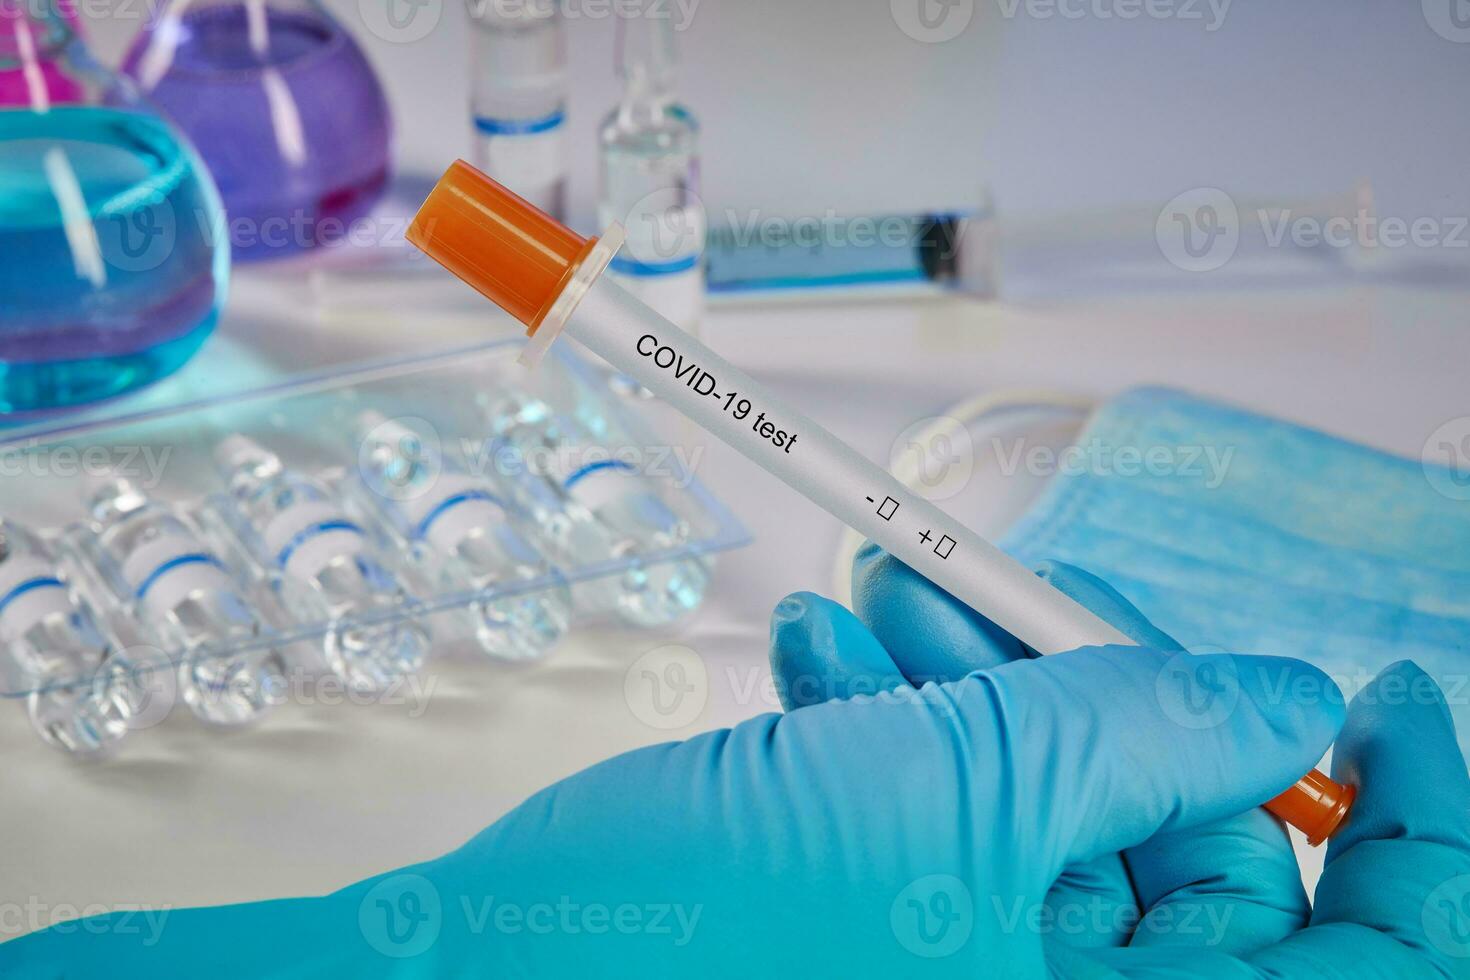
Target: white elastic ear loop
[961,415]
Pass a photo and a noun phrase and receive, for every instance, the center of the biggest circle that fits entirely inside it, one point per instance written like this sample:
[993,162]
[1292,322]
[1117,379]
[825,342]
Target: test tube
[550,278]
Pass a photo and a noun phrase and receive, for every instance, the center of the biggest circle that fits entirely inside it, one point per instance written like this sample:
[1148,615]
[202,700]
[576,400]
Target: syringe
[550,278]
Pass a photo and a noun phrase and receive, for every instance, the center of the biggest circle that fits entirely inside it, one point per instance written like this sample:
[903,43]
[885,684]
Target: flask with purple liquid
[285,110]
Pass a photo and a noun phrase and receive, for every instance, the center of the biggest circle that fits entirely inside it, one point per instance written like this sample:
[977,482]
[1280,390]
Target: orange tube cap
[1316,806]
[515,254]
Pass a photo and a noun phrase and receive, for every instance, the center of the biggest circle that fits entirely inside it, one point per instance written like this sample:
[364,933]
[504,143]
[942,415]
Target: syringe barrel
[733,406]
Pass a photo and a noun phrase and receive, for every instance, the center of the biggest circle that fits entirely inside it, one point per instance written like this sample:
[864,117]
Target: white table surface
[318,796]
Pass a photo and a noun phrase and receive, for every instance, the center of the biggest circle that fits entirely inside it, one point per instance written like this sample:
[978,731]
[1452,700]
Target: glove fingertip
[1107,602]
[791,610]
[930,634]
[820,651]
[1300,700]
[1399,747]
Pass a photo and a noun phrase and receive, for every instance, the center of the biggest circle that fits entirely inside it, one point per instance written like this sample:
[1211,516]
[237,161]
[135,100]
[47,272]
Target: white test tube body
[733,406]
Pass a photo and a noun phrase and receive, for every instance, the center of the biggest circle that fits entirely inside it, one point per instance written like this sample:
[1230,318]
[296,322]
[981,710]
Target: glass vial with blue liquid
[112,231]
[518,97]
[465,532]
[649,155]
[175,584]
[84,691]
[598,508]
[324,566]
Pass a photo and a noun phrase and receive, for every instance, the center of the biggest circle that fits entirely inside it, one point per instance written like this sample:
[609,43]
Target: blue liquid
[113,260]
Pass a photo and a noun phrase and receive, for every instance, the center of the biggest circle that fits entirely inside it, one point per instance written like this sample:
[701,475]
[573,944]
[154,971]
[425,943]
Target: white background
[809,106]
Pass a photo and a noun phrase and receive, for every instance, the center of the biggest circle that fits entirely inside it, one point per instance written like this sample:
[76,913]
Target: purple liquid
[295,136]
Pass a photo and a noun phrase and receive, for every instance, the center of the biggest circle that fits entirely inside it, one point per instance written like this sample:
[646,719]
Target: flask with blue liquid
[111,232]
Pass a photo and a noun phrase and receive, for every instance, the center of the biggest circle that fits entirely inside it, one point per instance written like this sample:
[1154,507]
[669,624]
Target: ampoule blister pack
[347,526]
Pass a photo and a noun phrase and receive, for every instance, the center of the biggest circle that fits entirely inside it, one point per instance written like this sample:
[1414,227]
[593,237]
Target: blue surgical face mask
[1239,532]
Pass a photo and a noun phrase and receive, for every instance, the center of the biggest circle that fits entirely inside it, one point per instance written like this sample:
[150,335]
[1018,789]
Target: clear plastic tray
[51,474]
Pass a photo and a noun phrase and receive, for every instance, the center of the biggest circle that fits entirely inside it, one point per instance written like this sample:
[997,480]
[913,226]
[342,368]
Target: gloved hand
[958,829]
[1218,899]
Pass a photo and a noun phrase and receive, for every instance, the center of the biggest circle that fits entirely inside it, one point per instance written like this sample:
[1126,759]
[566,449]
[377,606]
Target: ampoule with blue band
[650,175]
[463,530]
[325,567]
[600,506]
[187,599]
[518,98]
[83,691]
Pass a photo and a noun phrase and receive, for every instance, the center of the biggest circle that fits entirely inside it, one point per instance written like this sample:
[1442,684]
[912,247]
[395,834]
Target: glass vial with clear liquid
[518,98]
[649,153]
[84,691]
[463,530]
[175,583]
[324,566]
[597,507]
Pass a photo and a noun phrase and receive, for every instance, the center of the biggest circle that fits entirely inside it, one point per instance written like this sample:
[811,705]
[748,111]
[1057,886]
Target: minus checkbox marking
[944,547]
[888,508]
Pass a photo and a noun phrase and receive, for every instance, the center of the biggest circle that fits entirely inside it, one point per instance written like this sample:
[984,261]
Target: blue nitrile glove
[1394,898]
[914,832]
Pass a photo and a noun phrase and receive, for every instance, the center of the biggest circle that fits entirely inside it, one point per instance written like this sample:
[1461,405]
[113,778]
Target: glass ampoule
[324,566]
[176,584]
[597,507]
[83,689]
[518,95]
[465,531]
[649,156]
